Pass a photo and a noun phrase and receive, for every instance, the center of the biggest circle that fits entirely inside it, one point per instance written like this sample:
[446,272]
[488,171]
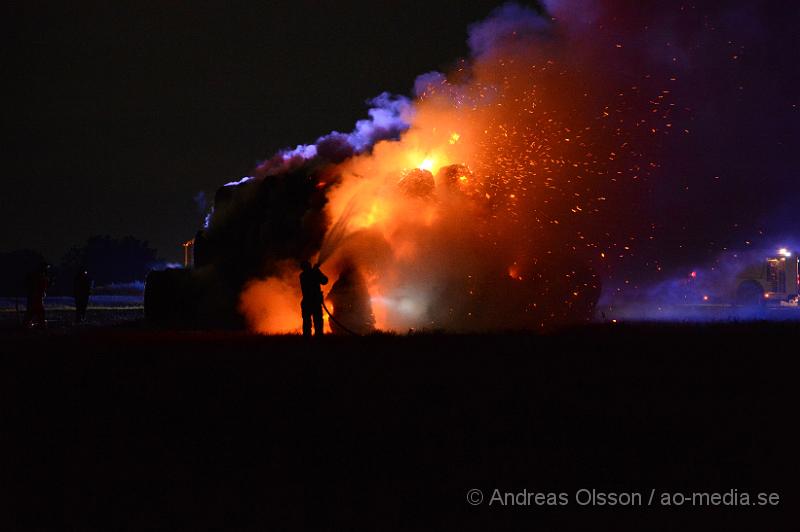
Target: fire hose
[337,322]
[330,315]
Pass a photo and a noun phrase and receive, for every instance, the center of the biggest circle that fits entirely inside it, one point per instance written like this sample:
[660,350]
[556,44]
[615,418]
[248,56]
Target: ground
[132,428]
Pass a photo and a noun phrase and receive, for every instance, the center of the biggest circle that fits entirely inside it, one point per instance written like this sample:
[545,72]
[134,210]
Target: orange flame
[512,166]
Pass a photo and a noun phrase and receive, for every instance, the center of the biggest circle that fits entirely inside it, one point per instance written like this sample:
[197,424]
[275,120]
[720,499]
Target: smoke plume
[498,198]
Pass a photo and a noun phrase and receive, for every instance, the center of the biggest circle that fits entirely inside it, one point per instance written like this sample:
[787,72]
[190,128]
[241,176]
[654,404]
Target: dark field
[103,311]
[128,428]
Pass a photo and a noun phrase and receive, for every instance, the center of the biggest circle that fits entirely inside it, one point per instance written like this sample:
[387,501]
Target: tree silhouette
[14,267]
[110,260]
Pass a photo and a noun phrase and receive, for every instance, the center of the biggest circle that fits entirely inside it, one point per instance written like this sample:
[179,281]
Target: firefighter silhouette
[81,288]
[36,290]
[311,306]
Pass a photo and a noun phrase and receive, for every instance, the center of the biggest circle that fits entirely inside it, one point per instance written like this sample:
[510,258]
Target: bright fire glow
[516,159]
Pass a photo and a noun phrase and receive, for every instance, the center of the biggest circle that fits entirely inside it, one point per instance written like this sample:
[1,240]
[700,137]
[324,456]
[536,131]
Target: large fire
[496,208]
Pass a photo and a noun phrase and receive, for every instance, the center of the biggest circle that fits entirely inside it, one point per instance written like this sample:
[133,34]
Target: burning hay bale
[417,183]
[459,178]
[171,298]
[352,309]
[530,203]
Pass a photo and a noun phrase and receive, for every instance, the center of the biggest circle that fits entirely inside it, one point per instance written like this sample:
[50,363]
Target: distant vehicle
[773,281]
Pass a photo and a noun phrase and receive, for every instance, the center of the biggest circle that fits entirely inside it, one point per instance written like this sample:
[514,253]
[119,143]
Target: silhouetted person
[36,290]
[201,249]
[81,287]
[351,304]
[311,305]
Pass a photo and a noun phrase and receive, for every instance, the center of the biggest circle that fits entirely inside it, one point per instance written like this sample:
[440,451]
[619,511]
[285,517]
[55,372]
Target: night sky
[119,115]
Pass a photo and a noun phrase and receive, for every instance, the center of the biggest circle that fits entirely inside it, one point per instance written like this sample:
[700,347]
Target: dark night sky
[121,114]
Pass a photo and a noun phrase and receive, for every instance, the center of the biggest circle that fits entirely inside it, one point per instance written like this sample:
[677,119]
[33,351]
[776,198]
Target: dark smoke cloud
[201,202]
[729,183]
[507,26]
[708,291]
[388,118]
